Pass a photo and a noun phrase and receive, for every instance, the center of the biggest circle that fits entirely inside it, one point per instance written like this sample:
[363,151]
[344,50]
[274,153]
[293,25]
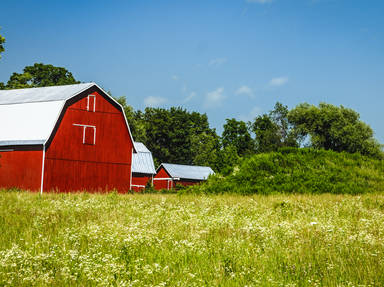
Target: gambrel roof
[142,161]
[181,171]
[29,116]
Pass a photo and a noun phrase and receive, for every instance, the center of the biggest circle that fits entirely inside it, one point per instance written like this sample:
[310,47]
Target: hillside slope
[300,171]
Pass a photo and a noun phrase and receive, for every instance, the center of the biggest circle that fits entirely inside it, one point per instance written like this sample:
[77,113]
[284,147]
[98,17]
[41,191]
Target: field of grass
[186,240]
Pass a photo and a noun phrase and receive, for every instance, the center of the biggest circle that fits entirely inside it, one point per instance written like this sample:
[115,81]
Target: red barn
[143,168]
[168,175]
[65,138]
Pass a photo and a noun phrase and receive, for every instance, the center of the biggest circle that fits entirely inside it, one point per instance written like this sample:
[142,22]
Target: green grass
[173,240]
[301,170]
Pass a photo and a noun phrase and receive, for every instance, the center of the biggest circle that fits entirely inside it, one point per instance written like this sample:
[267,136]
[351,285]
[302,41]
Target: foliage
[236,134]
[174,135]
[294,170]
[273,131]
[205,147]
[334,128]
[2,41]
[40,75]
[134,119]
[170,240]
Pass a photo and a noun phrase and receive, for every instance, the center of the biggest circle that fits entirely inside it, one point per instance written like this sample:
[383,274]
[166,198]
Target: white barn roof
[142,161]
[28,116]
[44,94]
[28,124]
[187,171]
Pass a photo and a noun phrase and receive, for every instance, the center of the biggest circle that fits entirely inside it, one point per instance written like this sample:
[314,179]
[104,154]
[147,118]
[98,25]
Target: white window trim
[84,128]
[94,102]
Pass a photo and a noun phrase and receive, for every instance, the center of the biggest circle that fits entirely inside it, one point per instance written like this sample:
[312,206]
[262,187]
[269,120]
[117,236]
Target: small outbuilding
[169,175]
[64,138]
[143,168]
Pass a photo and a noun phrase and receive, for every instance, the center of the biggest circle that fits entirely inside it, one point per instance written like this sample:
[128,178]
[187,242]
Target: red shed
[143,168]
[168,175]
[64,138]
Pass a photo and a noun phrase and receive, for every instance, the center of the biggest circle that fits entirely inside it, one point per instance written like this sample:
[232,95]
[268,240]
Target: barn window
[91,103]
[89,134]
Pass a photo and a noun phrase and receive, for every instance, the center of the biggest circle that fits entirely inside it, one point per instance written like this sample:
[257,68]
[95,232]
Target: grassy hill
[300,171]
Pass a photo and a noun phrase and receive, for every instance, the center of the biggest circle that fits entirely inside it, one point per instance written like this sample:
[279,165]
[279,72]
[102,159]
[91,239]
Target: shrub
[292,170]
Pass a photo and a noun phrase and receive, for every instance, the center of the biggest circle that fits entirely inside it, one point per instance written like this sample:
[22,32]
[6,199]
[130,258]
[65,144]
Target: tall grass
[168,240]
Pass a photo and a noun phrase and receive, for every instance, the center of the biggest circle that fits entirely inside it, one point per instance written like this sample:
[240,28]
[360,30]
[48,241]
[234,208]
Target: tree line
[176,135]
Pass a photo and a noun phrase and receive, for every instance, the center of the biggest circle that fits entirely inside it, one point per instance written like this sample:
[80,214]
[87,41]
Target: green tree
[236,134]
[334,128]
[2,41]
[40,75]
[205,147]
[227,159]
[170,133]
[273,130]
[135,120]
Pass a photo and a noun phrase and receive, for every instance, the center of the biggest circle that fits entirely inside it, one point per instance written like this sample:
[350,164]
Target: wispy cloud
[217,62]
[214,98]
[259,1]
[251,115]
[244,90]
[154,101]
[277,82]
[190,97]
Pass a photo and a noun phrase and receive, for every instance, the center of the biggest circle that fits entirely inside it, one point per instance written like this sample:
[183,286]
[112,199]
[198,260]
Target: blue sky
[226,58]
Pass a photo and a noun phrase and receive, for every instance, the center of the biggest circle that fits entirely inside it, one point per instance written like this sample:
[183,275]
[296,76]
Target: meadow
[185,240]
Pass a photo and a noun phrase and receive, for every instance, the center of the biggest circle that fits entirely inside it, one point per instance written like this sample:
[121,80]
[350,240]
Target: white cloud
[244,90]
[251,115]
[214,98]
[154,101]
[259,1]
[217,62]
[190,97]
[277,82]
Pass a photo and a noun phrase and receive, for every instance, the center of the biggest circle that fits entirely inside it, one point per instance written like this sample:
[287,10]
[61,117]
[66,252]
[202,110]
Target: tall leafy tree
[273,130]
[2,41]
[236,134]
[135,120]
[40,75]
[170,133]
[334,128]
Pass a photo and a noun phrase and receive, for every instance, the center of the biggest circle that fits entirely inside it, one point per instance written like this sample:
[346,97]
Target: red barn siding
[140,179]
[162,184]
[21,169]
[72,165]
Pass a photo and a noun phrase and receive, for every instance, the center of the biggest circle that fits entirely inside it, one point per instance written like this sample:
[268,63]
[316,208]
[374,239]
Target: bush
[292,170]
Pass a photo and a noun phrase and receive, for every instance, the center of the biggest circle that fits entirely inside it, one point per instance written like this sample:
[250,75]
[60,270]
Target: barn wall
[71,165]
[162,184]
[140,179]
[21,169]
[187,182]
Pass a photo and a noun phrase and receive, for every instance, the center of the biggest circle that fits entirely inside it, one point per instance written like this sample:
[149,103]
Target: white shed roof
[187,171]
[142,161]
